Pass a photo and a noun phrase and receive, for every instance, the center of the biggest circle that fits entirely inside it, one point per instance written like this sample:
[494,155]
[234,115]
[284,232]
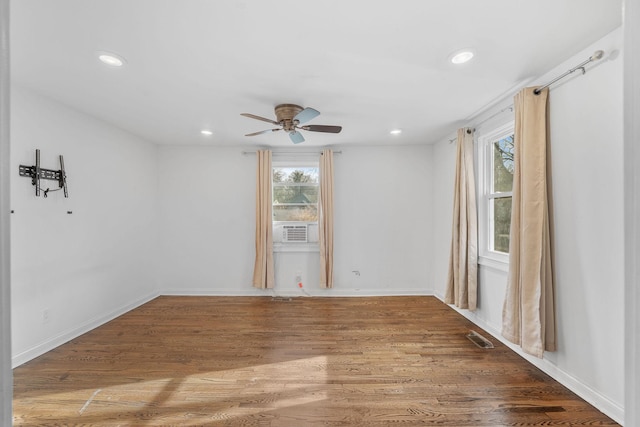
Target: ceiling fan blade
[306,115]
[296,137]
[253,116]
[322,128]
[262,131]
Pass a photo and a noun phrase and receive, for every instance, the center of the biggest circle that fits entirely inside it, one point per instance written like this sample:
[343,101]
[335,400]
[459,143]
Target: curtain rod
[469,131]
[596,55]
[507,108]
[292,152]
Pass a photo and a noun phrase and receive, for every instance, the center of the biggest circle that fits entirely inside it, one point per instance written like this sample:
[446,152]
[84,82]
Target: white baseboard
[75,332]
[601,402]
[203,292]
[292,293]
[341,292]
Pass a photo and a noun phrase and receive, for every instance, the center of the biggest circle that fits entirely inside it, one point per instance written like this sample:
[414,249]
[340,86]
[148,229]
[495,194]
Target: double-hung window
[496,170]
[295,188]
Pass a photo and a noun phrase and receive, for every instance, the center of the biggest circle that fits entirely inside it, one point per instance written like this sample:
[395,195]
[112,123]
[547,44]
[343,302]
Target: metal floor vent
[479,340]
[281,299]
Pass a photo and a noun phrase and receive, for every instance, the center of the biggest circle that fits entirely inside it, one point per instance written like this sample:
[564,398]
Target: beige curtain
[462,283]
[325,219]
[263,275]
[528,317]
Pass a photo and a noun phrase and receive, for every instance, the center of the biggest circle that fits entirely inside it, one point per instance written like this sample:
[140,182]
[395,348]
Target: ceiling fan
[289,117]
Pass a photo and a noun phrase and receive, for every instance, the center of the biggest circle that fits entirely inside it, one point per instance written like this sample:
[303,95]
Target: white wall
[632,209]
[444,169]
[586,139]
[6,376]
[383,220]
[382,199]
[84,268]
[206,220]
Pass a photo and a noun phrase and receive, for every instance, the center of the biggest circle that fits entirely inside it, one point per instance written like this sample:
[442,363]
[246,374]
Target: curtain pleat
[528,317]
[263,269]
[325,219]
[462,281]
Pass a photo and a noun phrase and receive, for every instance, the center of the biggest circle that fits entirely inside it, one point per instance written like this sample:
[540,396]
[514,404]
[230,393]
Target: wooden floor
[245,361]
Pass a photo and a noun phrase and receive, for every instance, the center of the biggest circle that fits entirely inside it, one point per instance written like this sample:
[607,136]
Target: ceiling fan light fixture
[462,56]
[206,132]
[395,131]
[111,59]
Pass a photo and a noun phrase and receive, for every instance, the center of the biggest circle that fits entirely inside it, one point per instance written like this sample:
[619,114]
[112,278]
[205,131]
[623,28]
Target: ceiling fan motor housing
[285,114]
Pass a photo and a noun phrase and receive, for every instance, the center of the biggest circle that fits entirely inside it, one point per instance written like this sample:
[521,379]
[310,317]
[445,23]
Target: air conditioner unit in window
[294,233]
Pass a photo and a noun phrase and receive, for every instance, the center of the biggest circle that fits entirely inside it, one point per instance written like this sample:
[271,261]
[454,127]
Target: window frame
[486,255]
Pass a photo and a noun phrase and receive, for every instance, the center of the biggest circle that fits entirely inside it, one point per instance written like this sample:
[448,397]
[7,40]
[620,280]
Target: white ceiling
[369,66]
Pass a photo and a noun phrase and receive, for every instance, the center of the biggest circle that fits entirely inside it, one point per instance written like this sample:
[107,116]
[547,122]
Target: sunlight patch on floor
[204,396]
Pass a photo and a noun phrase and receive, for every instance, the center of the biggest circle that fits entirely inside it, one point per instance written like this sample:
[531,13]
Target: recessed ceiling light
[206,132]
[462,57]
[396,132]
[111,59]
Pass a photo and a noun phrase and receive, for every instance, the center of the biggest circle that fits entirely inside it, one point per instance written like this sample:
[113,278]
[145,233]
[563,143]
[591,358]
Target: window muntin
[295,193]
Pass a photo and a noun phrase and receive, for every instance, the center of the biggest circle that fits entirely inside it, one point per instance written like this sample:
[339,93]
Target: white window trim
[487,257]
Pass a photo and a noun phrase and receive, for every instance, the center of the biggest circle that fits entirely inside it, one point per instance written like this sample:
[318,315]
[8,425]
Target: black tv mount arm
[36,173]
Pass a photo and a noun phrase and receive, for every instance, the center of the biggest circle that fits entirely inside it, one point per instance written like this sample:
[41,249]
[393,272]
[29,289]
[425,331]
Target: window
[295,193]
[496,166]
[295,205]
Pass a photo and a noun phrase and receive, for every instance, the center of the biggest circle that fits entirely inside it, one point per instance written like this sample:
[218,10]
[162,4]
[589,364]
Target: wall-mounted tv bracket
[36,173]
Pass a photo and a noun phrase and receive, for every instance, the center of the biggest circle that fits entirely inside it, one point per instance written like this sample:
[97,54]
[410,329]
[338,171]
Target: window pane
[300,174]
[503,165]
[501,223]
[307,213]
[295,194]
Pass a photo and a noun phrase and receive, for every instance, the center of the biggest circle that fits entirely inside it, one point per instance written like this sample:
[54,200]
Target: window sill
[496,264]
[296,247]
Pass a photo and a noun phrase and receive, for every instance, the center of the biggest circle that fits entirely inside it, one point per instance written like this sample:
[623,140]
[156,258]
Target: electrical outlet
[299,277]
[45,315]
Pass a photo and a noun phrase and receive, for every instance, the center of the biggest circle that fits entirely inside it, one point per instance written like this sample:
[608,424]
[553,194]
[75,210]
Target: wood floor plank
[253,361]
